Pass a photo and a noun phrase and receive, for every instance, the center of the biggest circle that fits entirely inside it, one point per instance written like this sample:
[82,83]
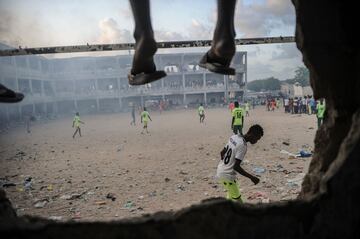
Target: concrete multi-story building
[100,84]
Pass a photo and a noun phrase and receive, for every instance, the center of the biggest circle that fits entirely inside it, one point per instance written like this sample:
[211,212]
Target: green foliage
[301,75]
[264,84]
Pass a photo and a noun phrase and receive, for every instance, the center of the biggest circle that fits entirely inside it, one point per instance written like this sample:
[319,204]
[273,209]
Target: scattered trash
[41,203]
[200,148]
[129,204]
[152,194]
[258,170]
[77,216]
[56,218]
[100,202]
[27,184]
[190,182]
[111,196]
[5,183]
[50,187]
[167,179]
[265,200]
[183,172]
[288,153]
[180,188]
[141,197]
[286,143]
[304,154]
[297,181]
[72,196]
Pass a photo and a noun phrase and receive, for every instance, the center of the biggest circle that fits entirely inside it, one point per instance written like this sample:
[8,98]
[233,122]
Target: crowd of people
[300,105]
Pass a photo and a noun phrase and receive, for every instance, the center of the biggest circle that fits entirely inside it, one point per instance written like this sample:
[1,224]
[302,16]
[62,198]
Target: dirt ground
[172,168]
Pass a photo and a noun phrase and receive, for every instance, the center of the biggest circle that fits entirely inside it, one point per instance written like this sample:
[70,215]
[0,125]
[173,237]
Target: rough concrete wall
[328,207]
[325,34]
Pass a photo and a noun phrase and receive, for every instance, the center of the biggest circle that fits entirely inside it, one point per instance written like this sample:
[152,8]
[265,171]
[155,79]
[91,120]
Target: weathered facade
[100,84]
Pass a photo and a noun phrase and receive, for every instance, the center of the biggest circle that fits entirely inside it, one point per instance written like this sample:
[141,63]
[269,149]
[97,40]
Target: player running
[76,124]
[201,112]
[231,157]
[145,117]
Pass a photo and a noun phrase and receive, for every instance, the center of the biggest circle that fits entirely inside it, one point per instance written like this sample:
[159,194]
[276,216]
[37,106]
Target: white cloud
[260,19]
[111,33]
[286,51]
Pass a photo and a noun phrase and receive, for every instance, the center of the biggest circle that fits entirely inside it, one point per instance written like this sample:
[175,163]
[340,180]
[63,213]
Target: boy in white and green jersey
[231,157]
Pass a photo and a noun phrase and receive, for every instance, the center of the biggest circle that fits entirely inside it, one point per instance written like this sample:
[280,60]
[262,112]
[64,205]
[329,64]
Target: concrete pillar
[97,105]
[183,80]
[42,88]
[205,100]
[7,114]
[184,99]
[30,84]
[20,112]
[204,80]
[245,69]
[16,75]
[226,80]
[96,85]
[120,103]
[118,84]
[76,105]
[46,108]
[142,99]
[55,106]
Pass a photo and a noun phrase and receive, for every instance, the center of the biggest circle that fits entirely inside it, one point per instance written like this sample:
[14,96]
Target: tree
[264,84]
[301,75]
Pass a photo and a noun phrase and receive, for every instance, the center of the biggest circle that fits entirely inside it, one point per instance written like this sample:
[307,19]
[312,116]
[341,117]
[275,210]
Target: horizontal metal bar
[128,46]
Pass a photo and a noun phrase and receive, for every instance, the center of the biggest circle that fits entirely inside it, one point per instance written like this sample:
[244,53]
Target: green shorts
[232,189]
[237,128]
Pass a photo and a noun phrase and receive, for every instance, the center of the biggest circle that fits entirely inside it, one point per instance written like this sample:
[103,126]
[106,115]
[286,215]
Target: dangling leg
[9,96]
[219,57]
[143,67]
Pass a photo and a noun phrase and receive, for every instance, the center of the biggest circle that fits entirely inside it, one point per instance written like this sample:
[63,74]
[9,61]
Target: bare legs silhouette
[143,68]
[217,59]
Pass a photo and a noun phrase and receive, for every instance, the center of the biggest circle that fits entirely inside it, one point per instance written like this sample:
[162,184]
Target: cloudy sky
[36,23]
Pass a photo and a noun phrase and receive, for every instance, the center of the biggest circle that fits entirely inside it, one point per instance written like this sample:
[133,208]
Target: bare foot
[143,61]
[222,52]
